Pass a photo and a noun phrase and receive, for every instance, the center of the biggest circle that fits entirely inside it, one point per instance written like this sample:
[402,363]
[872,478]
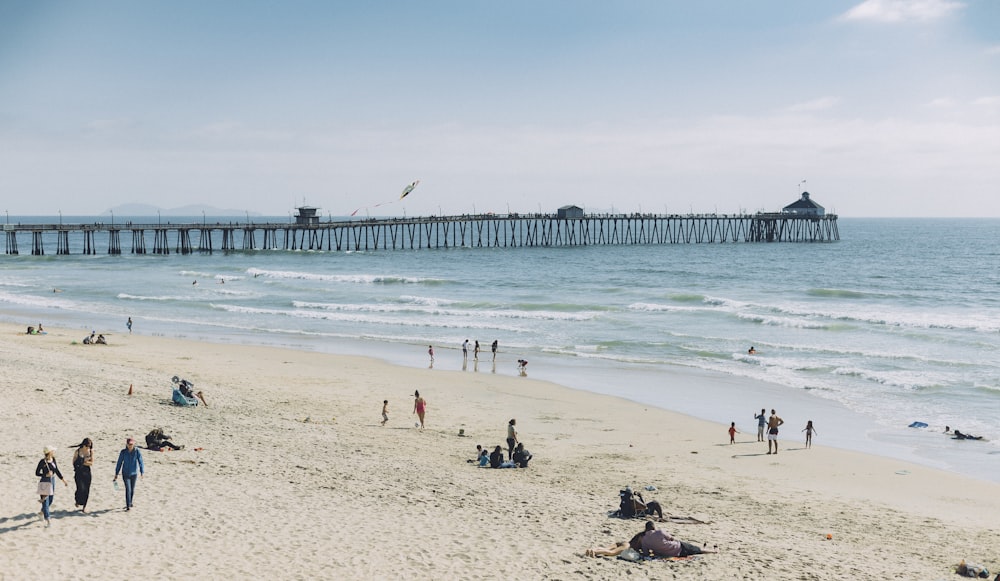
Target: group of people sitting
[91,340]
[650,542]
[519,457]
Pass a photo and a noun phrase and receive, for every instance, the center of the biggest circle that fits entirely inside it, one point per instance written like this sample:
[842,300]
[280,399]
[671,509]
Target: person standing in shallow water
[83,459]
[475,351]
[494,349]
[419,407]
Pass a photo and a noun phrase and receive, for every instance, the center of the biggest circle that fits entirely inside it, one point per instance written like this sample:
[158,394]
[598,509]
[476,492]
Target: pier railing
[478,230]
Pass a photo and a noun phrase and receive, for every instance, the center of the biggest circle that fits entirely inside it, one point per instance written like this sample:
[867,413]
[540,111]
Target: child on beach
[385,411]
[732,433]
[430,351]
[809,430]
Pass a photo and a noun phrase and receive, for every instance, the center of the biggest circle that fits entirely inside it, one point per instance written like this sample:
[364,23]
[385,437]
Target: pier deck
[428,232]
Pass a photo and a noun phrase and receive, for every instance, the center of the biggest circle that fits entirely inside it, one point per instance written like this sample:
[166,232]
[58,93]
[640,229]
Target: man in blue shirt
[130,466]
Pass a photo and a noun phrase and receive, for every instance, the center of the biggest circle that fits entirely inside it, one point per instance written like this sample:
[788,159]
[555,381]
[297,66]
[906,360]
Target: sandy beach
[288,474]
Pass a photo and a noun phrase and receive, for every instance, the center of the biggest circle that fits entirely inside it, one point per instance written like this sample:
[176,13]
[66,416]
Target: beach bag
[630,554]
[45,488]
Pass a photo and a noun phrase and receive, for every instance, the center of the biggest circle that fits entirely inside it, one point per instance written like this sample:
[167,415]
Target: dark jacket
[41,469]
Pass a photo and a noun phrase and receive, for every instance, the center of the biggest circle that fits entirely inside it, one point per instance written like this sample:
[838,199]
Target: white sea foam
[345,278]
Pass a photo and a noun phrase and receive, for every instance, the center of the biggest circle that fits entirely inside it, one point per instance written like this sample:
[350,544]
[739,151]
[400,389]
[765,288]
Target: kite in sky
[406,192]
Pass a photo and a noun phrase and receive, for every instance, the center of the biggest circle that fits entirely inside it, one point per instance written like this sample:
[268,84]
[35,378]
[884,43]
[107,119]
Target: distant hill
[192,210]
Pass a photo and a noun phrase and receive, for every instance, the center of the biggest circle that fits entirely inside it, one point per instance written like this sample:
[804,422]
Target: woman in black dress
[83,459]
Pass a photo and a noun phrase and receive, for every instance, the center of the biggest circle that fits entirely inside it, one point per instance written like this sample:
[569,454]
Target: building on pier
[306,216]
[804,207]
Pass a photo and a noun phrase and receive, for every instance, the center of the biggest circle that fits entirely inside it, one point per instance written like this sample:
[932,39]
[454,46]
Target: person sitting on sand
[156,440]
[89,340]
[662,544]
[521,456]
[639,505]
[484,458]
[101,340]
[496,457]
[497,461]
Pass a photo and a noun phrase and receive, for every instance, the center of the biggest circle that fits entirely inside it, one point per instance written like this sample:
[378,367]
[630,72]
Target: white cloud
[893,11]
[991,101]
[821,104]
[942,103]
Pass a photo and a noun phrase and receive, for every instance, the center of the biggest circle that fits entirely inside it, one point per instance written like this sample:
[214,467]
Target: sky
[879,108]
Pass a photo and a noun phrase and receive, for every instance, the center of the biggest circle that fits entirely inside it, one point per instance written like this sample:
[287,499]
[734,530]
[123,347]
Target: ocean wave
[687,298]
[361,317]
[842,293]
[129,297]
[37,301]
[654,308]
[434,310]
[348,278]
[849,316]
[783,322]
[909,380]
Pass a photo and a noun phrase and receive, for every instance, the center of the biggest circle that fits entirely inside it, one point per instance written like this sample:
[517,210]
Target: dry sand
[296,478]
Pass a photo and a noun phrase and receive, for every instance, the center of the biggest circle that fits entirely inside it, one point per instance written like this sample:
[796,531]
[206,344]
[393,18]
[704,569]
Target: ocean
[897,322]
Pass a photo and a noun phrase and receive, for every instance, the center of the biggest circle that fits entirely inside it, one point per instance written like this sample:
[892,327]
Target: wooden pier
[429,232]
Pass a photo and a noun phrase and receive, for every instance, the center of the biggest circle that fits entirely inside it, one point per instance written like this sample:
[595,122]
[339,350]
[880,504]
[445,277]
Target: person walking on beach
[131,467]
[772,431]
[494,349]
[475,351]
[511,438]
[761,422]
[430,351]
[419,407]
[385,411]
[732,433]
[809,430]
[465,350]
[83,459]
[47,471]
[129,325]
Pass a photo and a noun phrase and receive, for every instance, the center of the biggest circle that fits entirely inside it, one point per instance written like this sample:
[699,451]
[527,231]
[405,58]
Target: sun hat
[49,450]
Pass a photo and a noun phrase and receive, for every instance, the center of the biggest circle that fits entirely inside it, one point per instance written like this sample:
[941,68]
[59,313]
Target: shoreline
[271,493]
[706,395]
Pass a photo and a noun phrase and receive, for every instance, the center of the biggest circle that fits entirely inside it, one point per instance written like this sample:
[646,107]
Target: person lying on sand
[663,544]
[615,549]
